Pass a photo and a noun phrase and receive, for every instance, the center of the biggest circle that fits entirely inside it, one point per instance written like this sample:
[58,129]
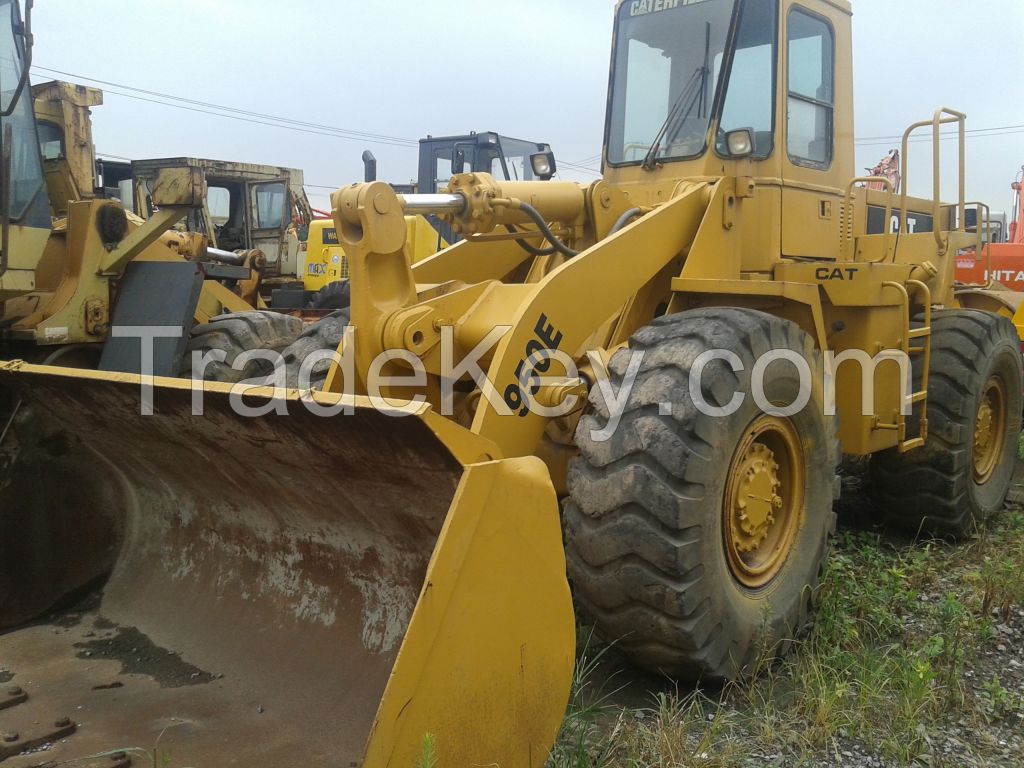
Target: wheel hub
[758,499]
[983,430]
[989,430]
[764,501]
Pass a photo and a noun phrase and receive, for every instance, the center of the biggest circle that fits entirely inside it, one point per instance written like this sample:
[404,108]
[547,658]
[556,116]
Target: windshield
[666,63]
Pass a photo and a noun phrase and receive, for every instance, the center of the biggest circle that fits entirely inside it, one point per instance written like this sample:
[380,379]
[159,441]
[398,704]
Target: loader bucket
[284,590]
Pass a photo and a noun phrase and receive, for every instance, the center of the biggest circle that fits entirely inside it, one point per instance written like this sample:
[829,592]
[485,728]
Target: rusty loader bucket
[280,590]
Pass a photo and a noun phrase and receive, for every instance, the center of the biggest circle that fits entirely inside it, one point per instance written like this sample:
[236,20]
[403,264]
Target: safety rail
[983,227]
[943,116]
[925,350]
[847,240]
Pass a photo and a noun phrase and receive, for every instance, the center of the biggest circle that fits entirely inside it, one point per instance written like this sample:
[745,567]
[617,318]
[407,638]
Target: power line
[254,121]
[256,118]
[946,133]
[578,167]
[928,139]
[236,113]
[317,129]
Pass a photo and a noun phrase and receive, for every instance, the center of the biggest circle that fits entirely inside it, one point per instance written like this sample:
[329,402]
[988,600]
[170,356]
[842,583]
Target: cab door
[270,206]
[815,165]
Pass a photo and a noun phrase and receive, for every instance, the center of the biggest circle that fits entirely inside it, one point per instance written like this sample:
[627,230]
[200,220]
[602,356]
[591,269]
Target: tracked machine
[374,572]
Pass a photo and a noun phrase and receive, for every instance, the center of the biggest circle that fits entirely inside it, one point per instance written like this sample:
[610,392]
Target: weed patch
[895,669]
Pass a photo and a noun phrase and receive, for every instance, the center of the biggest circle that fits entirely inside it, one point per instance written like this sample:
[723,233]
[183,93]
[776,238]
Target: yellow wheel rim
[989,430]
[764,501]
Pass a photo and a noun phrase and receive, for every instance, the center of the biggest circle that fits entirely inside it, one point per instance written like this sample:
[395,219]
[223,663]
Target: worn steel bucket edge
[485,665]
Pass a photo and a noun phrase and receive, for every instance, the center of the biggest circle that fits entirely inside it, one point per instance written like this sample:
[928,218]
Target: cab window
[270,205]
[51,141]
[750,94]
[218,200]
[26,168]
[811,102]
[442,171]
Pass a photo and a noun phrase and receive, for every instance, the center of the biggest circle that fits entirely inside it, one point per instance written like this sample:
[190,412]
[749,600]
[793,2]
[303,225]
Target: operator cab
[503,157]
[671,102]
[743,88]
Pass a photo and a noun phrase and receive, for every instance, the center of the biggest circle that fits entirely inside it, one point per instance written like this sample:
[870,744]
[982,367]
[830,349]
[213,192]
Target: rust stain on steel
[285,553]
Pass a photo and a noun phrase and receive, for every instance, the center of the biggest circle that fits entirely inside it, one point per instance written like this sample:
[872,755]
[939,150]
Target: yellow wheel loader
[373,572]
[68,282]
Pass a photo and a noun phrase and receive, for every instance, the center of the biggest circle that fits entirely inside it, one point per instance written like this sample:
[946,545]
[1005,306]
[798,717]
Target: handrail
[920,396]
[924,332]
[982,229]
[936,123]
[847,240]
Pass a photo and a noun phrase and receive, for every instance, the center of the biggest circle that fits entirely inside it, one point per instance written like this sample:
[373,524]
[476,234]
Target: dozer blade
[284,590]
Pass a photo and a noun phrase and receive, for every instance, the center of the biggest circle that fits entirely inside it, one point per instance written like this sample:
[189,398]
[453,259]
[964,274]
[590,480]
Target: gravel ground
[956,744]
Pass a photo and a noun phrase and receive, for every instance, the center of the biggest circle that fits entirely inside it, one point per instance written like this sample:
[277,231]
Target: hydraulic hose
[533,251]
[545,230]
[624,219]
[620,224]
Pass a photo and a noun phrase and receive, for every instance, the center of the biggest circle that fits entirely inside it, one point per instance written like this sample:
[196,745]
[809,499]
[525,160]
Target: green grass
[428,752]
[897,626]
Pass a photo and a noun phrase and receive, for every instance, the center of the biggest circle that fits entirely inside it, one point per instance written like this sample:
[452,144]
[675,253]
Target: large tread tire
[333,296]
[234,334]
[933,490]
[644,521]
[324,335]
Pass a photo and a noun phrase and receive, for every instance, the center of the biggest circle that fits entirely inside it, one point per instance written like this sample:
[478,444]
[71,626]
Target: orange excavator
[1001,262]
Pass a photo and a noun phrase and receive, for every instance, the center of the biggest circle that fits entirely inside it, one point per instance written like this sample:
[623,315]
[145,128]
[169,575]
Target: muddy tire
[681,581]
[961,476]
[325,334]
[333,296]
[234,334]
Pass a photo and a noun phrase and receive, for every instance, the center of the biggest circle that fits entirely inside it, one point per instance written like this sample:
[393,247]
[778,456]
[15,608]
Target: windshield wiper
[694,93]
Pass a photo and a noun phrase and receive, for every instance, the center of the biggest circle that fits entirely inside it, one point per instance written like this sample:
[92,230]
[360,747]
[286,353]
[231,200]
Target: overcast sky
[533,69]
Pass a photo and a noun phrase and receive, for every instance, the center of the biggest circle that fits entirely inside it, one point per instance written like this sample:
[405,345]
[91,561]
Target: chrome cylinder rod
[433,203]
[225,257]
